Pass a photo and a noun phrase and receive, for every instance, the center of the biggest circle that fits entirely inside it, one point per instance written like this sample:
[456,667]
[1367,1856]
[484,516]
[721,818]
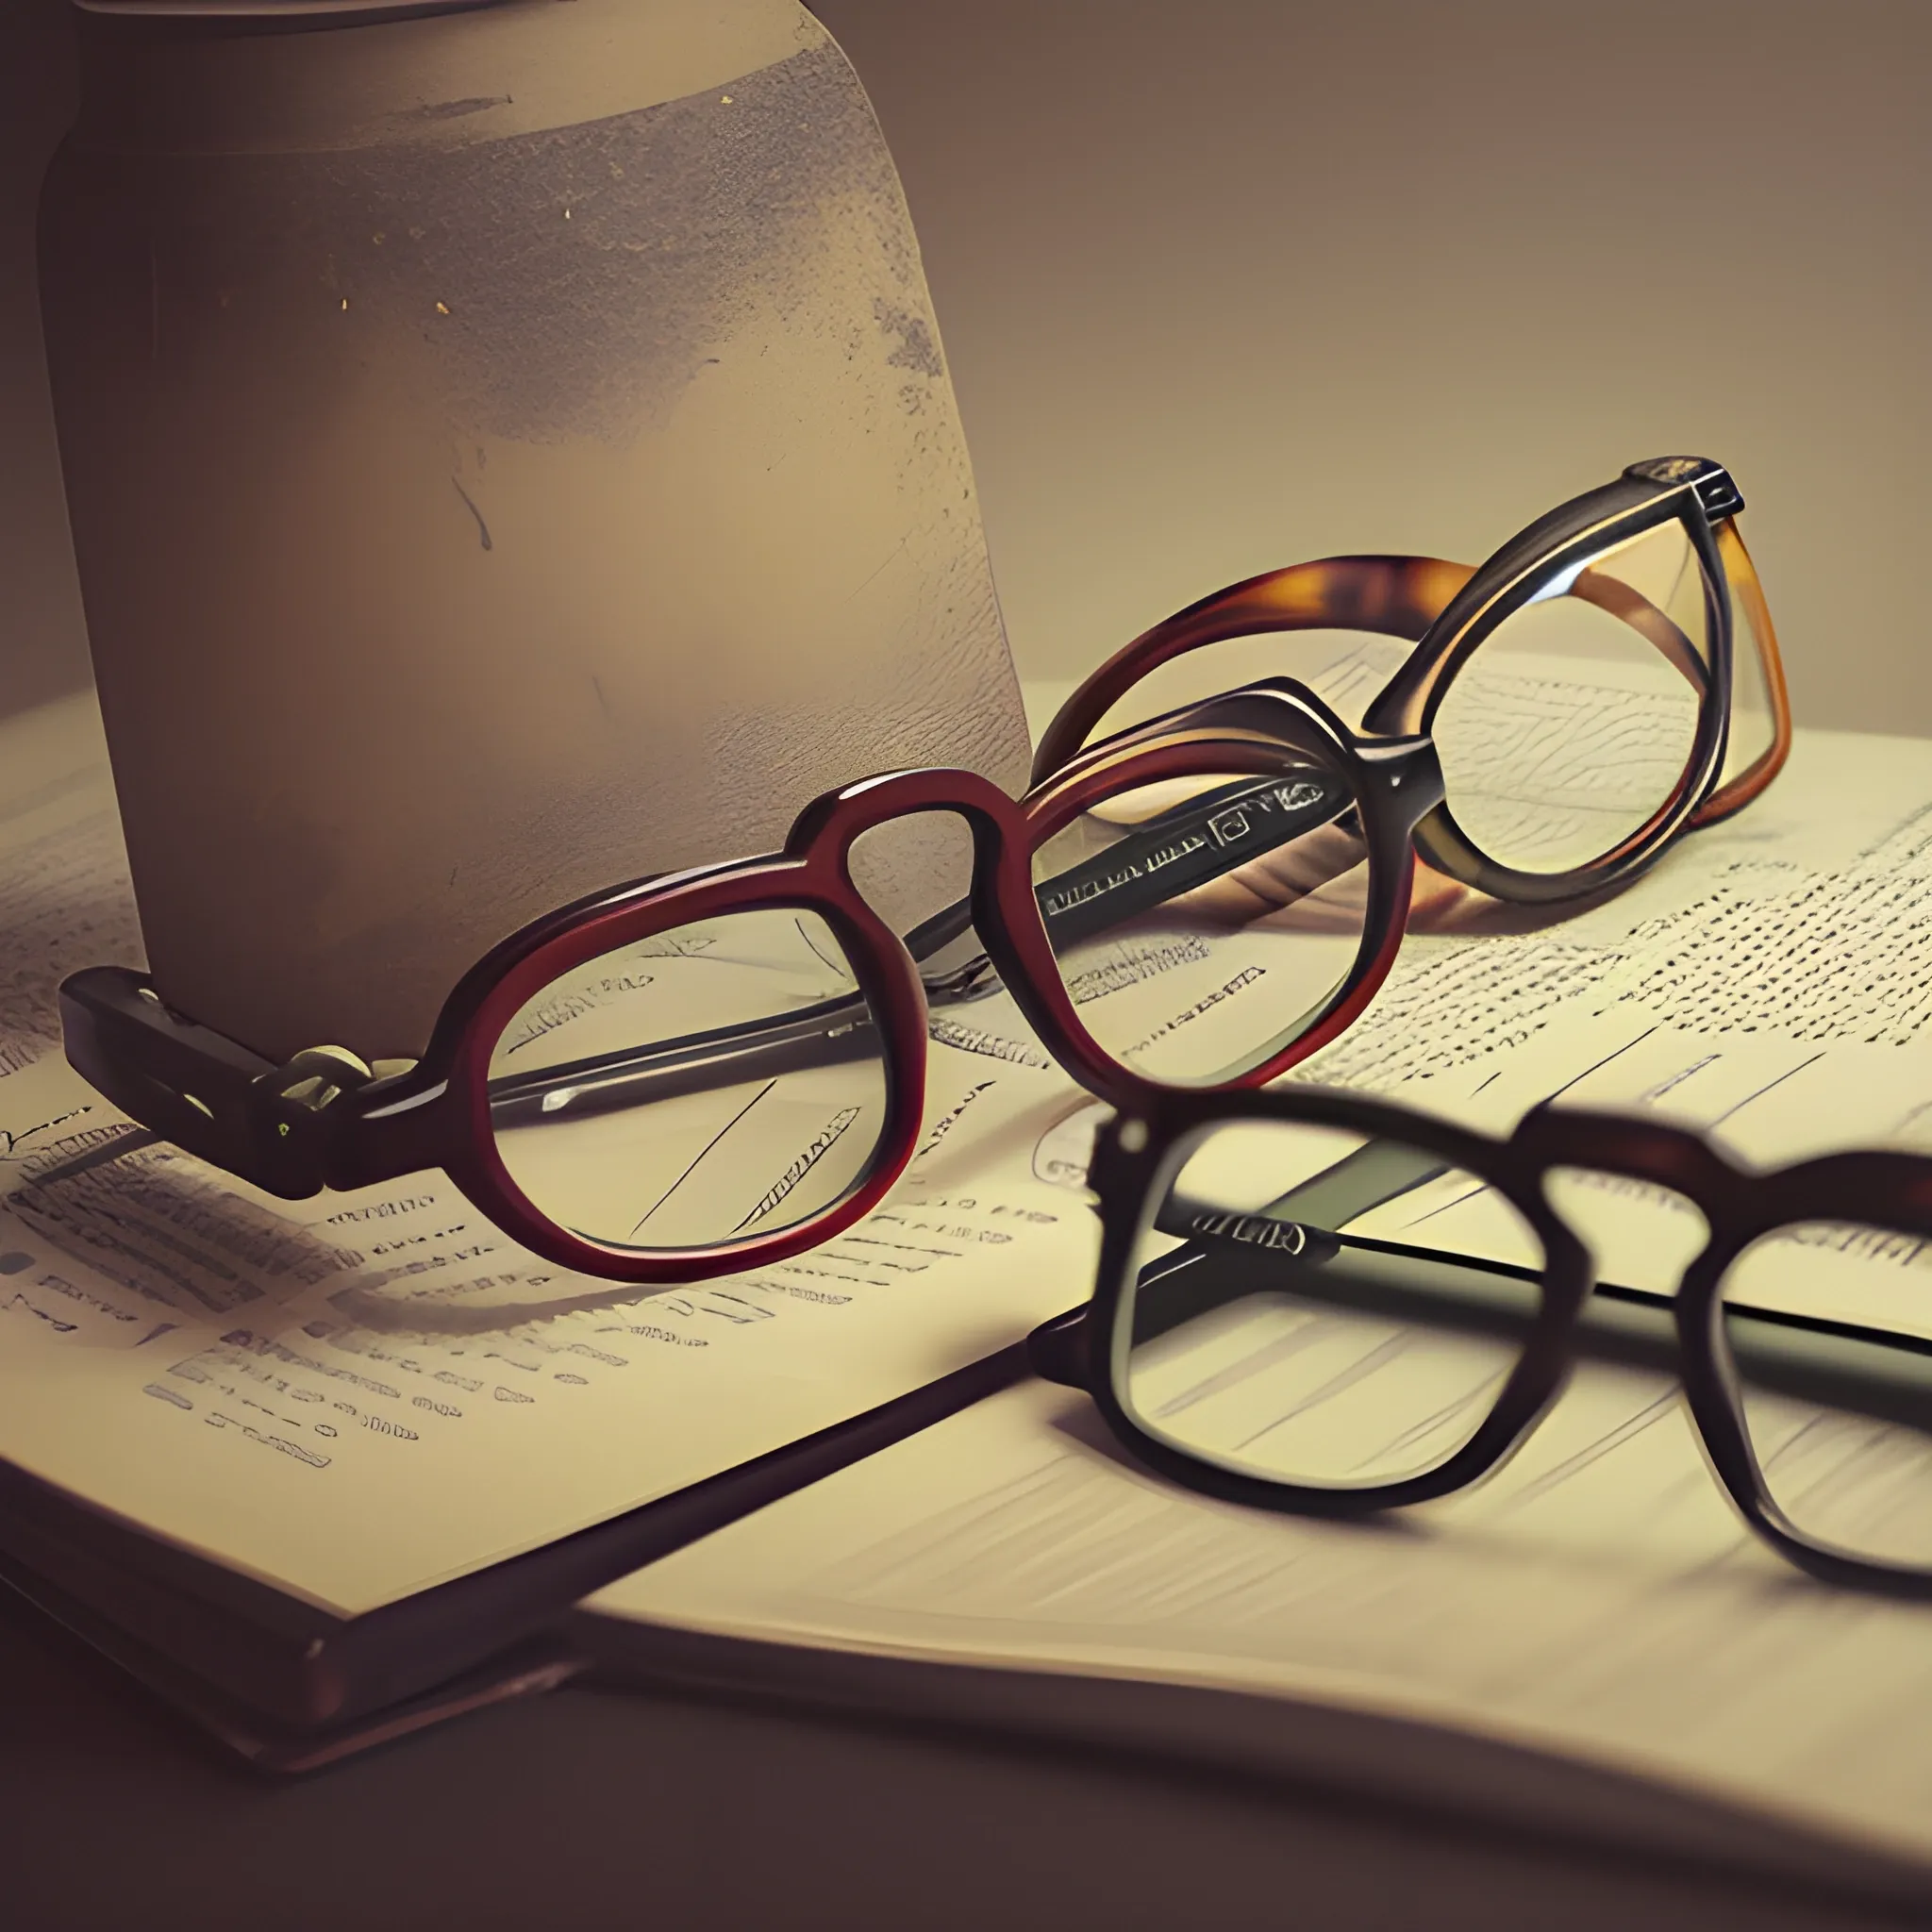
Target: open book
[502,1444]
[1589,1648]
[1590,1644]
[324,1468]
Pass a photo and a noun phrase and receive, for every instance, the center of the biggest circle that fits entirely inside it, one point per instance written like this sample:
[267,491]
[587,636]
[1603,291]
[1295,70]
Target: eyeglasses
[1581,686]
[715,1071]
[1313,1302]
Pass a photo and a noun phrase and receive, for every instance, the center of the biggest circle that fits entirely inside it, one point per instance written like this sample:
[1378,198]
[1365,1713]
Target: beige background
[1232,282]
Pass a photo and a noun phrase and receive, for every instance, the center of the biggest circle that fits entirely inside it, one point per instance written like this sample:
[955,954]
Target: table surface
[598,1807]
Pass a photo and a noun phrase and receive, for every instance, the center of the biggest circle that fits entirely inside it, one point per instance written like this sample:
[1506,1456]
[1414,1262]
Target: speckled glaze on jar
[508,450]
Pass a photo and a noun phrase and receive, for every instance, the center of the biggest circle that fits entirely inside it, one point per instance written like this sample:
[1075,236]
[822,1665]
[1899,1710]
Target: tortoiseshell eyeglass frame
[1142,1152]
[1447,609]
[326,1117]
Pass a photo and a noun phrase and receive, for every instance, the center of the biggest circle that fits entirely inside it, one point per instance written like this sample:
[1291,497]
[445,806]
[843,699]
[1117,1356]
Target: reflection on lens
[1314,1308]
[1574,721]
[1828,1326]
[1203,925]
[711,1084]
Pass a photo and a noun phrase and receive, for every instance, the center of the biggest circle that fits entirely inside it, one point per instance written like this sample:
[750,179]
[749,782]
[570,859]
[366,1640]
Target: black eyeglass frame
[1139,1153]
[1646,497]
[1446,610]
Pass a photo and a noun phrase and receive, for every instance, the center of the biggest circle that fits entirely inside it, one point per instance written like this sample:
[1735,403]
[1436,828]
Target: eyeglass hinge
[289,1108]
[1719,496]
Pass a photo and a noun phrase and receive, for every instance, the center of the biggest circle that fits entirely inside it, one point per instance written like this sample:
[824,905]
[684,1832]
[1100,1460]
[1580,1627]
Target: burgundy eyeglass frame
[323,1121]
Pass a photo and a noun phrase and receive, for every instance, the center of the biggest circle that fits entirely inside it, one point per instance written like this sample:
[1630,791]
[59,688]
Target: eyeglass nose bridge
[834,820]
[825,832]
[1630,1148]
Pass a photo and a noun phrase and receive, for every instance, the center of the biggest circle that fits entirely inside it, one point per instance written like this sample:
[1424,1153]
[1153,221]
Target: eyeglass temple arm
[1133,850]
[1738,791]
[1376,1173]
[1619,600]
[1394,596]
[1210,836]
[200,1089]
[1844,1366]
[820,1035]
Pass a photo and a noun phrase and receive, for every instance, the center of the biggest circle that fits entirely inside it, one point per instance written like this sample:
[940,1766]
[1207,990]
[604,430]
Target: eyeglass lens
[1312,1308]
[1828,1326]
[1202,925]
[1574,721]
[713,1083]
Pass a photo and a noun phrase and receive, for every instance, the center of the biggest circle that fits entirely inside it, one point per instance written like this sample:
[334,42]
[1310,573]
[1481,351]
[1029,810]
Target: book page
[356,1396]
[1598,1595]
[378,1391]
[1805,915]
[1596,1598]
